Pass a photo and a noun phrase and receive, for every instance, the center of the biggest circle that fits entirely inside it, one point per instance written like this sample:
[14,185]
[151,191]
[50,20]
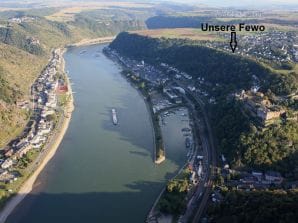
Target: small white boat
[114,116]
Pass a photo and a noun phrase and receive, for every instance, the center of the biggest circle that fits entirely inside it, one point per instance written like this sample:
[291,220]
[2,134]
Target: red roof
[62,88]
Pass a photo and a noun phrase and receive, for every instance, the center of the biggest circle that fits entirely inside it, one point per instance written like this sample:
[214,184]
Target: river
[102,172]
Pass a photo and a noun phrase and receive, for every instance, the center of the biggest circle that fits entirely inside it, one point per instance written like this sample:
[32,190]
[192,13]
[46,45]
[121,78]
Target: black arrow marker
[233,42]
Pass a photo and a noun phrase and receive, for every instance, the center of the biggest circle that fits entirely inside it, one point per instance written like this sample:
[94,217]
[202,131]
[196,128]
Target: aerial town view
[157,111]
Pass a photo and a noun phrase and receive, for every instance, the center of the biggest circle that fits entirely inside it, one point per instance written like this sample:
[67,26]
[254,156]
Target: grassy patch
[63,99]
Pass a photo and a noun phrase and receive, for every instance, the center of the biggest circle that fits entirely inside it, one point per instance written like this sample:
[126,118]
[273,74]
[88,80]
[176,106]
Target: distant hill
[159,22]
[169,21]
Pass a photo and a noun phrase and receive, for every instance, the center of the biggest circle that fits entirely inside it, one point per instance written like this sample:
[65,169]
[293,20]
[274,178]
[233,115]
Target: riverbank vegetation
[173,201]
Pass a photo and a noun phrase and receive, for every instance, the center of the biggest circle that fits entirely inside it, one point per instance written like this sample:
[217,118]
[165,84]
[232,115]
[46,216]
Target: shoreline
[89,42]
[53,144]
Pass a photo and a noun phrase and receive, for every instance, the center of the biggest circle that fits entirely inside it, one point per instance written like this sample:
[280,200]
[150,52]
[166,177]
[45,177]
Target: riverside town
[232,28]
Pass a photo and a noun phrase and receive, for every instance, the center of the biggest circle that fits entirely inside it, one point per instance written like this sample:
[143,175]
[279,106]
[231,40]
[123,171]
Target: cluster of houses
[258,106]
[161,77]
[44,105]
[253,180]
[21,19]
[154,77]
[273,45]
[193,85]
[259,180]
[234,13]
[140,70]
[175,72]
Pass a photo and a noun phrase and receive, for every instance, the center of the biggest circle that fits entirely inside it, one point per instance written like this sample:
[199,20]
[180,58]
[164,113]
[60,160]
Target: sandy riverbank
[86,42]
[50,152]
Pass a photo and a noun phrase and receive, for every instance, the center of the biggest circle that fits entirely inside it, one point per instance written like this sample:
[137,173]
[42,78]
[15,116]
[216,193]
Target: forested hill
[34,35]
[256,206]
[232,72]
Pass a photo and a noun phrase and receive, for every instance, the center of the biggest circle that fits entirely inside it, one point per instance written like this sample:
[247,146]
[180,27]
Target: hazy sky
[245,4]
[243,1]
[237,3]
